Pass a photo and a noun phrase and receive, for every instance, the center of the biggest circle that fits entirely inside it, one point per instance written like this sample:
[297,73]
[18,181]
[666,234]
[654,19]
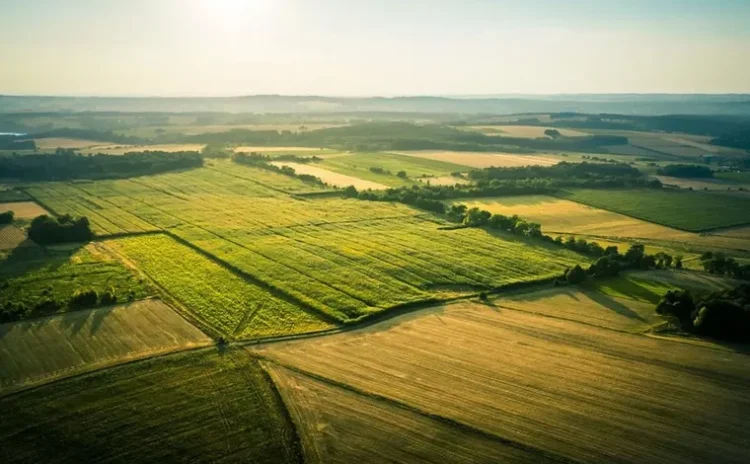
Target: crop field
[692,211]
[735,232]
[341,258]
[560,217]
[11,237]
[307,151]
[195,129]
[179,408]
[741,177]
[33,274]
[485,159]
[530,132]
[358,165]
[332,178]
[649,287]
[557,389]
[23,209]
[45,349]
[337,425]
[53,143]
[699,184]
[215,295]
[112,149]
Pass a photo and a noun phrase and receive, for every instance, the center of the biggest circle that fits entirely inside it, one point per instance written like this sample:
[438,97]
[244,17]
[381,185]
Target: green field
[182,408]
[691,211]
[359,164]
[31,275]
[44,349]
[216,296]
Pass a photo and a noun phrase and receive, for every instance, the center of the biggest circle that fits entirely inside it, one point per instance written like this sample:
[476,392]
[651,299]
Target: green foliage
[46,230]
[575,275]
[686,171]
[262,161]
[724,314]
[719,263]
[86,298]
[6,217]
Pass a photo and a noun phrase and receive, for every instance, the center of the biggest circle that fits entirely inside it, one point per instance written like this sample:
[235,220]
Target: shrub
[45,229]
[84,298]
[108,298]
[575,275]
[6,217]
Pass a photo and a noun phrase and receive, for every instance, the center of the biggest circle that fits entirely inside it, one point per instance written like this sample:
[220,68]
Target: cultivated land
[181,408]
[12,237]
[113,149]
[337,425]
[341,258]
[214,295]
[692,211]
[309,151]
[559,216]
[531,132]
[33,274]
[23,209]
[555,388]
[485,160]
[45,349]
[53,143]
[330,177]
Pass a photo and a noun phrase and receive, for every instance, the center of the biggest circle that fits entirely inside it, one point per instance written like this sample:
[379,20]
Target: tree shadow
[29,256]
[614,305]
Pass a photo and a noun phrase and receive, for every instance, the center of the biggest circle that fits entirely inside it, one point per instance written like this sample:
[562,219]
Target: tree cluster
[46,304]
[6,217]
[610,262]
[686,171]
[66,164]
[475,217]
[723,314]
[721,264]
[46,230]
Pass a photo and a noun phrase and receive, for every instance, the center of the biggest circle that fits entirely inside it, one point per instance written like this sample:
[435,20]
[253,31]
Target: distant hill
[621,104]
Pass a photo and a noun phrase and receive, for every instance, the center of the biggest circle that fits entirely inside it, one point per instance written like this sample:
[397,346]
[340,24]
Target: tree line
[720,264]
[47,304]
[259,160]
[686,171]
[67,164]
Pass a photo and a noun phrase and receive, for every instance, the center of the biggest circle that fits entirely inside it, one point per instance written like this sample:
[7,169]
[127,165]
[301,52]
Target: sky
[373,47]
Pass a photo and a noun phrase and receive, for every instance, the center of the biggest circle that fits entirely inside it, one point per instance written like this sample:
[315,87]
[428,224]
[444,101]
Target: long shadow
[614,305]
[29,257]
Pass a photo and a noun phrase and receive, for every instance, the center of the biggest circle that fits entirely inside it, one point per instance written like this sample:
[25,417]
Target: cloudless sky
[373,47]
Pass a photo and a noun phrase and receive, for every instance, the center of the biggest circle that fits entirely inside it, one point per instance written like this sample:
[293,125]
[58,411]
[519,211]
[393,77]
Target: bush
[575,275]
[108,298]
[45,229]
[6,217]
[84,298]
[401,174]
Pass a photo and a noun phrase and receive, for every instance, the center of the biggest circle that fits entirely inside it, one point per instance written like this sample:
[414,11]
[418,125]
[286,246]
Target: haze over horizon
[387,48]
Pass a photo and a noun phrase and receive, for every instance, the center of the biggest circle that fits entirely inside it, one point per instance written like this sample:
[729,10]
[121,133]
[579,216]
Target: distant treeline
[15,142]
[66,164]
[262,161]
[686,171]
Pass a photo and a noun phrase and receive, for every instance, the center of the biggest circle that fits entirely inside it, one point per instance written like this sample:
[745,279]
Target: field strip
[247,179]
[407,407]
[41,350]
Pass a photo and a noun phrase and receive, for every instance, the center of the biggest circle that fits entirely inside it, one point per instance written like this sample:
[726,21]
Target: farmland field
[215,295]
[559,216]
[52,143]
[114,149]
[330,177]
[692,211]
[179,408]
[23,209]
[649,287]
[484,159]
[337,425]
[11,237]
[307,151]
[35,274]
[531,132]
[45,349]
[568,390]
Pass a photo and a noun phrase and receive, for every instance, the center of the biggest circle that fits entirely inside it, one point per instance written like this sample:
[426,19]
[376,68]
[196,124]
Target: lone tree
[553,133]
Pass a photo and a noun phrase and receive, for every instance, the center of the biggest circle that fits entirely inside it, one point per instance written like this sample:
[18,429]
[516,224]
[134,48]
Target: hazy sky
[373,47]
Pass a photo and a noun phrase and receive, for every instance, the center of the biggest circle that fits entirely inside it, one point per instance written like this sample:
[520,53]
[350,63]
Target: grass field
[337,425]
[23,209]
[692,211]
[217,297]
[46,349]
[330,177]
[33,274]
[183,408]
[484,159]
[559,216]
[563,389]
[741,177]
[343,258]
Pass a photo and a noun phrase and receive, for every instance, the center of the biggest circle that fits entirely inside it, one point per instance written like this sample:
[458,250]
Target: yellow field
[331,177]
[113,149]
[40,350]
[483,159]
[52,143]
[737,232]
[569,390]
[568,217]
[340,426]
[23,209]
[700,184]
[11,237]
[530,132]
[248,149]
[442,180]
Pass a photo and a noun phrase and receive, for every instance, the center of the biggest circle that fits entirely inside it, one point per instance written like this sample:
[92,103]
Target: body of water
[12,133]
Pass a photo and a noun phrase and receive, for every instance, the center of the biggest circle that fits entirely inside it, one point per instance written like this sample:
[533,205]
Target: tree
[476,217]
[6,217]
[401,174]
[575,275]
[350,192]
[552,133]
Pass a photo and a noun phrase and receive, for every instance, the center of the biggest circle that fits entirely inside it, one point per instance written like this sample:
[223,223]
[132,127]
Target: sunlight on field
[11,237]
[23,209]
[292,150]
[52,143]
[112,149]
[41,350]
[485,160]
[531,132]
[330,177]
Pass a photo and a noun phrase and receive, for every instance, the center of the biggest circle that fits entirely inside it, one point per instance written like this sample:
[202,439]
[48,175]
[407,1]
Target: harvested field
[330,177]
[23,209]
[189,407]
[292,150]
[45,349]
[558,216]
[112,149]
[53,143]
[529,132]
[443,180]
[571,391]
[11,237]
[485,160]
[699,184]
[337,425]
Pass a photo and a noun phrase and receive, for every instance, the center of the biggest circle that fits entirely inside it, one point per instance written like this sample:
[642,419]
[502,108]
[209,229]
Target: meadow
[45,349]
[179,408]
[558,389]
[690,211]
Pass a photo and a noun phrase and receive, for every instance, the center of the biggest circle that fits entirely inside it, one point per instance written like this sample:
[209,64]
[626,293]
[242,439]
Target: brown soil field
[736,232]
[483,159]
[45,349]
[23,209]
[564,216]
[574,392]
[337,425]
[331,177]
[11,237]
